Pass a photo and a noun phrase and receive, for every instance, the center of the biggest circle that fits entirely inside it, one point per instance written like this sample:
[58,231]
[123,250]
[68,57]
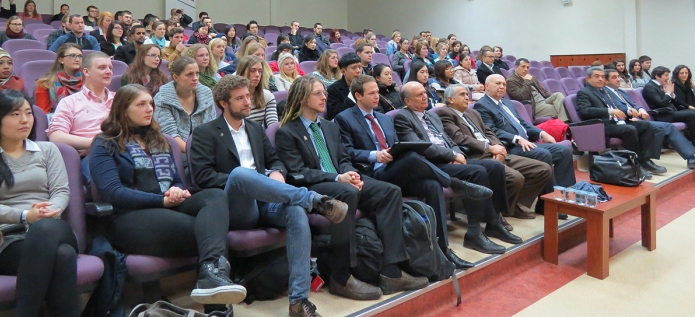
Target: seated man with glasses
[78,117]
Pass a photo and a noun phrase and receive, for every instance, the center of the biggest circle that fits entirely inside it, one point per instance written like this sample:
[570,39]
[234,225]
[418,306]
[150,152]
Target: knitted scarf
[152,174]
[159,42]
[64,86]
[202,39]
[207,80]
[14,35]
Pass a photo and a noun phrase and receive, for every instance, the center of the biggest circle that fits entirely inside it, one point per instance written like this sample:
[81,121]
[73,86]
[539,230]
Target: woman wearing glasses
[14,30]
[114,38]
[62,80]
[145,69]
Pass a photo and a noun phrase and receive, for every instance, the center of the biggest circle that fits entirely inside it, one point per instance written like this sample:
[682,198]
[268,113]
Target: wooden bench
[600,223]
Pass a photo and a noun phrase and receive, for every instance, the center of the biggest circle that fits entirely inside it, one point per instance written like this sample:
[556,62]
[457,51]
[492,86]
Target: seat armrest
[540,120]
[586,122]
[363,167]
[98,209]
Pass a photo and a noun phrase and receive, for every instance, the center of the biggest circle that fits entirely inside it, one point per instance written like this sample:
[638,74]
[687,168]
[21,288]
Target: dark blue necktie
[513,120]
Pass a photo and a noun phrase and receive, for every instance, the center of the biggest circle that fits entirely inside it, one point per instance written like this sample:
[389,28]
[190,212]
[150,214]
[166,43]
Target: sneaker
[214,285]
[303,308]
[333,209]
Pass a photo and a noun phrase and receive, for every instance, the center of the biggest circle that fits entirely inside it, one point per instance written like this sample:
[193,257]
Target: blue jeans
[256,199]
[86,174]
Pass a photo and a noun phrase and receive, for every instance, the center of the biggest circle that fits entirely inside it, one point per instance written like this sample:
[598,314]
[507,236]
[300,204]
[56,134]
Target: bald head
[495,86]
[414,95]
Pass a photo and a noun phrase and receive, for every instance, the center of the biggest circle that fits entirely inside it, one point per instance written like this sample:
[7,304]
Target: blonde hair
[241,52]
[281,61]
[191,52]
[433,42]
[267,72]
[212,44]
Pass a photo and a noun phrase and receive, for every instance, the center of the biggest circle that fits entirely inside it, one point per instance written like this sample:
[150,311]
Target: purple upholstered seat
[115,83]
[41,123]
[590,137]
[30,28]
[280,96]
[380,58]
[553,85]
[344,50]
[119,67]
[550,73]
[535,64]
[563,72]
[12,46]
[510,58]
[308,67]
[570,85]
[577,72]
[24,56]
[536,72]
[31,72]
[337,45]
[546,64]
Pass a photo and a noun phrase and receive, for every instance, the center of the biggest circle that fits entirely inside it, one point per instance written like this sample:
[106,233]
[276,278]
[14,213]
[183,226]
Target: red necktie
[377,132]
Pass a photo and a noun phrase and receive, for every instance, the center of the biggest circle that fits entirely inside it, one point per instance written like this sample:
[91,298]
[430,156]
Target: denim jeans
[256,199]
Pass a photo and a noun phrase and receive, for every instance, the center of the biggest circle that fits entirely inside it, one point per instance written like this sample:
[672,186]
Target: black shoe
[646,174]
[500,232]
[469,190]
[653,168]
[333,209]
[481,243]
[691,163]
[459,263]
[214,285]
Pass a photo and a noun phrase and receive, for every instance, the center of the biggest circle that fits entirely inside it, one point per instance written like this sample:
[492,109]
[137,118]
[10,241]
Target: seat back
[563,72]
[577,72]
[523,113]
[270,132]
[23,56]
[636,97]
[510,58]
[546,64]
[115,83]
[12,46]
[581,81]
[31,72]
[553,85]
[393,113]
[42,32]
[535,64]
[571,86]
[119,67]
[337,45]
[30,28]
[41,123]
[550,73]
[270,50]
[397,80]
[380,58]
[74,212]
[536,72]
[571,109]
[307,66]
[280,96]
[344,50]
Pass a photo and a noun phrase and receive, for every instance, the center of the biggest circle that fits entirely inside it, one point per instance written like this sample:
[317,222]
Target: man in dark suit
[526,178]
[310,146]
[663,131]
[126,53]
[339,97]
[593,102]
[234,154]
[500,116]
[488,66]
[368,137]
[658,93]
[413,123]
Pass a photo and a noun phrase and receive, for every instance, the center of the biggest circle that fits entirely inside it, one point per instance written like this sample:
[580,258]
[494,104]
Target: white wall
[331,13]
[665,31]
[531,28]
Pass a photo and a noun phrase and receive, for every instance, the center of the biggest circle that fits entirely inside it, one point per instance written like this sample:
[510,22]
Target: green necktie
[320,145]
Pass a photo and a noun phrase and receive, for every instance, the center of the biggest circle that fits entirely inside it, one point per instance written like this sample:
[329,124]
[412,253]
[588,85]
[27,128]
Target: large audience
[340,104]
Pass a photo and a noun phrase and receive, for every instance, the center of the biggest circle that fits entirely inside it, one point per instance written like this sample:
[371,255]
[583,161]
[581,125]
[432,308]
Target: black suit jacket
[656,98]
[100,38]
[214,154]
[125,53]
[410,128]
[337,98]
[297,151]
[684,95]
[358,138]
[590,104]
[622,105]
[483,71]
[493,118]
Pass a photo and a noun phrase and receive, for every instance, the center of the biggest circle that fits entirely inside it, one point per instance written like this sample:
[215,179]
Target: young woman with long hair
[38,248]
[159,31]
[114,38]
[132,165]
[389,95]
[104,21]
[62,80]
[327,70]
[419,73]
[288,72]
[145,69]
[208,69]
[637,77]
[263,106]
[30,12]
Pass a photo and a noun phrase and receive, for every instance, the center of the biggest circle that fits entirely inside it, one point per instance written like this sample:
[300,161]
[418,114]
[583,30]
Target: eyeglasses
[74,56]
[16,24]
[319,93]
[154,56]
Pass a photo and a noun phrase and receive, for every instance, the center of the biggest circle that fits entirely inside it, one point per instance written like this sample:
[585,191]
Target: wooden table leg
[610,228]
[597,245]
[649,223]
[550,233]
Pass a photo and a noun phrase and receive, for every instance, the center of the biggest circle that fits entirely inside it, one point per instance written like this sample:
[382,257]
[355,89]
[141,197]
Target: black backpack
[420,239]
[265,276]
[369,251]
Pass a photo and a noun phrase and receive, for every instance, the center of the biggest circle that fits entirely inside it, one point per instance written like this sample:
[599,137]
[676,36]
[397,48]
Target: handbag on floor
[618,167]
[166,309]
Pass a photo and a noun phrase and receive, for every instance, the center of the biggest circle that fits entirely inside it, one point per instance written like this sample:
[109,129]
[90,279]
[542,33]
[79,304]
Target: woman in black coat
[308,51]
[683,86]
[389,96]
